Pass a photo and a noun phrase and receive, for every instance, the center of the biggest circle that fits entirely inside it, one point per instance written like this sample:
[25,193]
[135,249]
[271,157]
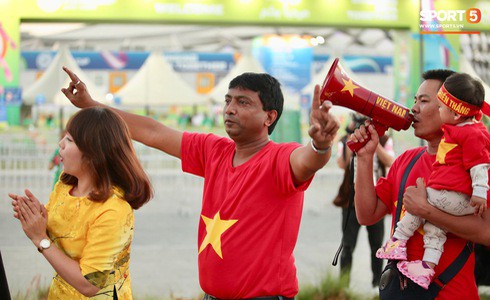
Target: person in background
[350,226]
[55,162]
[86,229]
[50,120]
[459,181]
[253,187]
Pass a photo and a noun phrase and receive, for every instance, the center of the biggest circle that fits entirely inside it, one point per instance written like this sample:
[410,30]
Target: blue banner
[90,60]
[218,63]
[116,60]
[12,96]
[291,66]
[358,63]
[3,113]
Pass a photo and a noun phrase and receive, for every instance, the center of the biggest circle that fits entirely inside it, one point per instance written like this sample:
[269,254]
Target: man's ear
[457,117]
[271,117]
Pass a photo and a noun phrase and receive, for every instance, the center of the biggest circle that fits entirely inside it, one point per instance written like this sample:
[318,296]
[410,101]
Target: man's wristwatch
[43,245]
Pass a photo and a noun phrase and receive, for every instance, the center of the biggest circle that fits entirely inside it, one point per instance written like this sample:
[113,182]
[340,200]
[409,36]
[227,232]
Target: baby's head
[460,98]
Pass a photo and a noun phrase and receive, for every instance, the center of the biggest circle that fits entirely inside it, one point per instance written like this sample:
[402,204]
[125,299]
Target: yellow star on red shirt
[349,86]
[443,149]
[215,227]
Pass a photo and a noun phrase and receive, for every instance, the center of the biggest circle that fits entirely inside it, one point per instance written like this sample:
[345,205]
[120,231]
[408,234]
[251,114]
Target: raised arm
[308,159]
[143,129]
[470,227]
[369,208]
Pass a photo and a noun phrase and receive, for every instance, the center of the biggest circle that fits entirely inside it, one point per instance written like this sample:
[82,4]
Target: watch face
[45,243]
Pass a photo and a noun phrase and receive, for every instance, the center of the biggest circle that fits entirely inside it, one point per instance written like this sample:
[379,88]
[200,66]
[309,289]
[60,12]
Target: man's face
[244,116]
[427,122]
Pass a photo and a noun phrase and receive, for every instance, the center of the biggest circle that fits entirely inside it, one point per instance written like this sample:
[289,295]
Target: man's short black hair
[437,74]
[269,90]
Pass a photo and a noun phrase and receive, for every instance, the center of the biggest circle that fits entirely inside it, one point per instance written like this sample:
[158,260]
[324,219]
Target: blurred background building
[386,44]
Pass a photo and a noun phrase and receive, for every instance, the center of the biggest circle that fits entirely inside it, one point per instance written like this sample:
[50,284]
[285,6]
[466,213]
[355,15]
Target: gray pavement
[164,251]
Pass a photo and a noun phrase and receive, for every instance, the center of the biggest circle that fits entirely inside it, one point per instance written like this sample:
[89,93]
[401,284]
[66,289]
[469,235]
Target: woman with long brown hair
[88,233]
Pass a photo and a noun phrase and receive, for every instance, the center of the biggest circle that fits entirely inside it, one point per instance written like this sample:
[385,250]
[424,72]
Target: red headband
[460,107]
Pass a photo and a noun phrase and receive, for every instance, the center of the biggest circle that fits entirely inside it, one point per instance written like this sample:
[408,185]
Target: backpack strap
[401,191]
[349,208]
[440,282]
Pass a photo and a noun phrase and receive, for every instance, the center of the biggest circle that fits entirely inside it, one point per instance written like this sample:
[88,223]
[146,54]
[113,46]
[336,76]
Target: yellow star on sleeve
[349,86]
[443,149]
[215,227]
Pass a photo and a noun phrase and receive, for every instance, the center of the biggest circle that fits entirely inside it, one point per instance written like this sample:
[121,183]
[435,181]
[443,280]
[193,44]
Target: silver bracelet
[319,151]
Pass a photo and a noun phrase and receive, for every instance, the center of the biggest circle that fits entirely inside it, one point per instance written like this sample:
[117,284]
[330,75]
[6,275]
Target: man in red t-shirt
[253,188]
[379,200]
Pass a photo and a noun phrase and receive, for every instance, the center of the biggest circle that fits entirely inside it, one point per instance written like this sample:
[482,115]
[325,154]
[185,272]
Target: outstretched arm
[143,129]
[369,208]
[305,161]
[470,227]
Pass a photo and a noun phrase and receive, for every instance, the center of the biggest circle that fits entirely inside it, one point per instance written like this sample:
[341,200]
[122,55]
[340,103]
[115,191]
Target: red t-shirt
[250,218]
[461,148]
[463,285]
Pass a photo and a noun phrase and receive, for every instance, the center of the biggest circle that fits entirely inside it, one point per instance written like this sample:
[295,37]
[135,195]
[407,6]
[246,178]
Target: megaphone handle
[380,129]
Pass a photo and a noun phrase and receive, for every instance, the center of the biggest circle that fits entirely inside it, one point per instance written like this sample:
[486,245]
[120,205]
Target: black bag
[394,285]
[342,198]
[482,265]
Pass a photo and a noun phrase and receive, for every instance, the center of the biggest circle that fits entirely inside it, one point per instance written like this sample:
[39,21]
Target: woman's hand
[33,216]
[15,204]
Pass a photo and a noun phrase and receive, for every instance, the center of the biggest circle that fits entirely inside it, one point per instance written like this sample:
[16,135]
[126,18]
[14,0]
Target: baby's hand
[479,204]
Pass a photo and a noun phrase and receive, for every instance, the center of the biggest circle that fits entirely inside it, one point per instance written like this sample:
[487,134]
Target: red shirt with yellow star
[461,148]
[250,218]
[463,285]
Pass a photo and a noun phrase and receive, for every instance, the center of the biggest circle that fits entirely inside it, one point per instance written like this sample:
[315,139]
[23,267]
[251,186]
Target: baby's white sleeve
[479,179]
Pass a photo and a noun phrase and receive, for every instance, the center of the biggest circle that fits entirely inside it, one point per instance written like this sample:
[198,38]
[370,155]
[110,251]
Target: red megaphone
[341,90]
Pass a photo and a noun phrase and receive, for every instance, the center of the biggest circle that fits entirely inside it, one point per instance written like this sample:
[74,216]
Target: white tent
[465,66]
[156,83]
[54,78]
[247,63]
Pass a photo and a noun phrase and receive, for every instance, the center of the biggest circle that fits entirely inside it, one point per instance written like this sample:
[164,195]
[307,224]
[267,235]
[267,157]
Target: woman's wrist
[37,240]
